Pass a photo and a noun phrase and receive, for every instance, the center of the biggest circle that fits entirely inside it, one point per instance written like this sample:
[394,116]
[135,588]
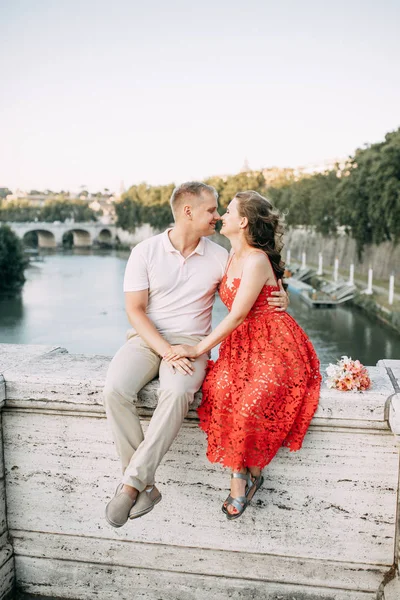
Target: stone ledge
[59,381]
[323,526]
[12,355]
[88,580]
[200,561]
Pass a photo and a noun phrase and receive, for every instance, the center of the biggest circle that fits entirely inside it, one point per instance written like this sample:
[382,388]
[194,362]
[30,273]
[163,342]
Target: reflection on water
[345,330]
[11,312]
[75,300]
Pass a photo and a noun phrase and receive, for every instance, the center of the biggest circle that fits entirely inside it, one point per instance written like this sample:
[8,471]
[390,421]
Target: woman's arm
[256,273]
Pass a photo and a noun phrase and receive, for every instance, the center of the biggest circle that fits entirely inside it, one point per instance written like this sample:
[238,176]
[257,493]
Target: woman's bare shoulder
[258,262]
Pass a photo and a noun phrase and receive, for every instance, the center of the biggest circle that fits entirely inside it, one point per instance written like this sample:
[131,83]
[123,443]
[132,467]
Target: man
[170,284]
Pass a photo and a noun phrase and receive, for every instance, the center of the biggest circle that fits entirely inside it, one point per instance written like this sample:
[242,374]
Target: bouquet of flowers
[347,375]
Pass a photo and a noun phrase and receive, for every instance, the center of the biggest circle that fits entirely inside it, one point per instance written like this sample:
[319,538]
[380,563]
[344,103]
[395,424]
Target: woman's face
[231,220]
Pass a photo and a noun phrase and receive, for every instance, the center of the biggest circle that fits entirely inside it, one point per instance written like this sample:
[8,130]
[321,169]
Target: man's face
[205,214]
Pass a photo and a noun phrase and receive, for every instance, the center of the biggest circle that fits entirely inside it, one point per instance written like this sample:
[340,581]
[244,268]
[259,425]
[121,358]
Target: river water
[74,300]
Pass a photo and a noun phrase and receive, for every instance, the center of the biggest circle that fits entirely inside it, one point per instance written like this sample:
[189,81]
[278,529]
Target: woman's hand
[279,300]
[182,365]
[181,351]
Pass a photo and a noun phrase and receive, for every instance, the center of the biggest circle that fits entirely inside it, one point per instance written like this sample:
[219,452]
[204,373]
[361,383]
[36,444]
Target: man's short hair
[190,188]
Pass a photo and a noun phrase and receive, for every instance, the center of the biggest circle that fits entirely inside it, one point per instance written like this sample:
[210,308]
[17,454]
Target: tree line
[363,195]
[52,210]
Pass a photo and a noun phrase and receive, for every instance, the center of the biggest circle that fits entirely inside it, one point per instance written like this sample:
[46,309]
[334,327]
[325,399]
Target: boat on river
[329,295]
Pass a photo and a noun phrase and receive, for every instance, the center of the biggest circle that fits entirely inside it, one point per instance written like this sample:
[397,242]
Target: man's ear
[187,211]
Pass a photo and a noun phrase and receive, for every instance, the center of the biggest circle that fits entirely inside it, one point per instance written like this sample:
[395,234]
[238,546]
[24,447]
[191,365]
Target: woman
[263,390]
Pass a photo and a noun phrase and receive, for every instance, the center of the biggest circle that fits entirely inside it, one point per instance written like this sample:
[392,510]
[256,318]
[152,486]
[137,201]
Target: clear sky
[96,92]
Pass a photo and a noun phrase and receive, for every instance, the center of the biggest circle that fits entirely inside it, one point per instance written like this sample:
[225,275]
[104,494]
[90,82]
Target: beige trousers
[134,365]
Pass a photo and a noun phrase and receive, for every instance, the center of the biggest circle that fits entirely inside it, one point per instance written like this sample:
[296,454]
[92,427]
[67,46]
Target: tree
[240,183]
[145,204]
[4,192]
[12,261]
[53,210]
[19,211]
[128,214]
[368,196]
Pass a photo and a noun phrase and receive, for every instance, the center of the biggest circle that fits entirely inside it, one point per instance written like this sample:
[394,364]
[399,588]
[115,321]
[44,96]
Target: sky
[96,93]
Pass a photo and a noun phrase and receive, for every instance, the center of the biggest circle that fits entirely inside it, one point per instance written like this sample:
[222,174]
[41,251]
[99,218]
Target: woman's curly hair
[265,227]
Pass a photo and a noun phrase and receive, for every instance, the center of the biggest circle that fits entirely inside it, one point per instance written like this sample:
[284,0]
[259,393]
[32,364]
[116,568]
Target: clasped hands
[181,356]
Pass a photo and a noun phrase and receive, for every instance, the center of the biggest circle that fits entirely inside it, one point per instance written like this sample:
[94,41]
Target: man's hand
[182,365]
[279,300]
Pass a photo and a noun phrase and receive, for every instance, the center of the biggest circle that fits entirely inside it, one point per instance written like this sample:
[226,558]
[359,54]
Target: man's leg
[176,393]
[134,365]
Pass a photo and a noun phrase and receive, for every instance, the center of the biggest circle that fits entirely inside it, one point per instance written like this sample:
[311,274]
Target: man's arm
[136,304]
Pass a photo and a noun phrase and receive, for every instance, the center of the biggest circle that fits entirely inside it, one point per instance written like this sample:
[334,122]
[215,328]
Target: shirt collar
[168,247]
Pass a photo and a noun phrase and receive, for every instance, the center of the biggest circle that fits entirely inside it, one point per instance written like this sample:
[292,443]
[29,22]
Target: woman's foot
[239,488]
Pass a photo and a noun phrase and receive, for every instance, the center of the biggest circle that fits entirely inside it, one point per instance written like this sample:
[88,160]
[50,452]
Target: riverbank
[384,258]
[376,306]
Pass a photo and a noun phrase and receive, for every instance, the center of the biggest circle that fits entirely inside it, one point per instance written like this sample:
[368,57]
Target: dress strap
[228,263]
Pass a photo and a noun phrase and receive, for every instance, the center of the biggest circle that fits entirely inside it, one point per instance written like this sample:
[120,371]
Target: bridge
[325,525]
[52,235]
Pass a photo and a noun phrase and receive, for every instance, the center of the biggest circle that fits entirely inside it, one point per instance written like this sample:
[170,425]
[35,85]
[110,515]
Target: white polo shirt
[181,290]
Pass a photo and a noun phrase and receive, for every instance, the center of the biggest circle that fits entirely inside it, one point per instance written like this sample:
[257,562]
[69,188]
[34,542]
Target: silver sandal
[241,502]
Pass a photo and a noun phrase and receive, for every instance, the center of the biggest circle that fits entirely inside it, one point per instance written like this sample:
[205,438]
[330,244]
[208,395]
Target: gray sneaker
[117,510]
[145,502]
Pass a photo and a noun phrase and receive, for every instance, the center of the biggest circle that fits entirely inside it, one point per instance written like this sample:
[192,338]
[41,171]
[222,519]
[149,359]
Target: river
[74,300]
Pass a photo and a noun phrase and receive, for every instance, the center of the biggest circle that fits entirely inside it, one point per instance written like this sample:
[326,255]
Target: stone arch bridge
[50,235]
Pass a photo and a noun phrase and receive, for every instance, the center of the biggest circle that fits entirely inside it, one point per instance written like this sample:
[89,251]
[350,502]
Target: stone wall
[6,558]
[384,258]
[324,525]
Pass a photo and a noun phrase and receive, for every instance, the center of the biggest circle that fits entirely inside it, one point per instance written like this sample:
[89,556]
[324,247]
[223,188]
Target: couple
[262,391]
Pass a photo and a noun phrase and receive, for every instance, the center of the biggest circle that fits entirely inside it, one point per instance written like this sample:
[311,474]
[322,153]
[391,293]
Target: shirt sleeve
[136,276]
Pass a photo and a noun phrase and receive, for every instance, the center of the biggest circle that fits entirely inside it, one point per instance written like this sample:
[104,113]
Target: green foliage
[52,210]
[227,188]
[19,211]
[128,213]
[310,201]
[12,261]
[4,191]
[368,196]
[145,204]
[364,197]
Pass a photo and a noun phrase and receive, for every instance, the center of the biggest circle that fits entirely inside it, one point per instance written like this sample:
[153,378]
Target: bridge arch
[80,238]
[105,237]
[39,238]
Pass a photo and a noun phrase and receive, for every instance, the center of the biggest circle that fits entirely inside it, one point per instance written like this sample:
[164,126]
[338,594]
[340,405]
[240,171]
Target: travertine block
[323,525]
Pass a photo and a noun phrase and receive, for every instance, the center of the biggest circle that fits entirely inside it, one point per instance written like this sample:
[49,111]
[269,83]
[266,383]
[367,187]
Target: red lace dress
[263,390]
